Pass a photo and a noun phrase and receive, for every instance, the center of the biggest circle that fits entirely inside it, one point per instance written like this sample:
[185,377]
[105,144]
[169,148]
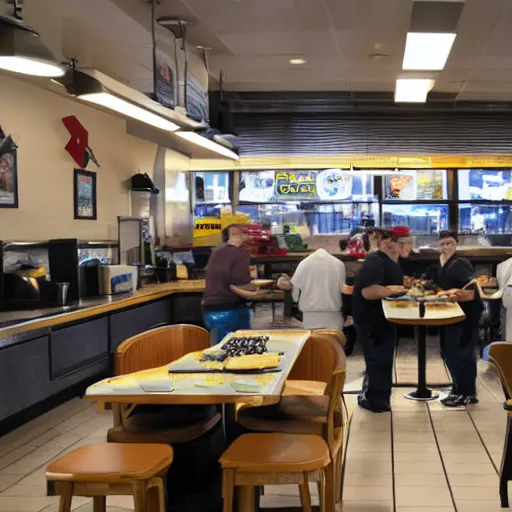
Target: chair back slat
[158,347]
[500,356]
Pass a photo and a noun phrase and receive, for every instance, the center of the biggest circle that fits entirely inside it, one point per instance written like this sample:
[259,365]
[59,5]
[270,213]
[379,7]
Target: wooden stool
[100,470]
[256,460]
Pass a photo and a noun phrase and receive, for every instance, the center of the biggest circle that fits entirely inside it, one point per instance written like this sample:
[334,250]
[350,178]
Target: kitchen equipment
[114,279]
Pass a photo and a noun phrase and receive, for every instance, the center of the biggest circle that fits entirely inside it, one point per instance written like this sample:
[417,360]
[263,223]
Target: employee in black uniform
[458,341]
[380,276]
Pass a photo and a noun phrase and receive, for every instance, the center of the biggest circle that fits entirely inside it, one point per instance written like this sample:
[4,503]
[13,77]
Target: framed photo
[9,180]
[85,194]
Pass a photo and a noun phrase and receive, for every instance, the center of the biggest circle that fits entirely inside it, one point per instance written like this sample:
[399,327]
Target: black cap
[449,234]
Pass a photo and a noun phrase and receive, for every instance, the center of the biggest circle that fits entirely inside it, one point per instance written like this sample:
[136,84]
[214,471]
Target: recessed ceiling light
[413,90]
[297,62]
[427,51]
[378,56]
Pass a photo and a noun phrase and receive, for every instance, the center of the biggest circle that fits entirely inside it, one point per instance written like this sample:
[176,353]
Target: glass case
[211,193]
[485,218]
[422,218]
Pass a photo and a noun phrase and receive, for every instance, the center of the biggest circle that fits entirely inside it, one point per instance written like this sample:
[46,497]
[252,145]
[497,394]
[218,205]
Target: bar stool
[256,460]
[101,470]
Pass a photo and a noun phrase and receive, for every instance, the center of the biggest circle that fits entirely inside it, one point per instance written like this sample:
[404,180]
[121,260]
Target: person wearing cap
[458,341]
[403,236]
[380,276]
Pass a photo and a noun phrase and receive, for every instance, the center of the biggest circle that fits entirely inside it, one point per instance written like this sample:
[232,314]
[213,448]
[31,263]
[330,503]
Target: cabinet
[128,323]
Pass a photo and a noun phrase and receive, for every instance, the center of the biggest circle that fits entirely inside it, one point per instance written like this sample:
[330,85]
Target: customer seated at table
[317,285]
[228,277]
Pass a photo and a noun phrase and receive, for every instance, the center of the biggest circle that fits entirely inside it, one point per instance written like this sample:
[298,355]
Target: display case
[331,201]
[484,201]
[211,191]
[422,219]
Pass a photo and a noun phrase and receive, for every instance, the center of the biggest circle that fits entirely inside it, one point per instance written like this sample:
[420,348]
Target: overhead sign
[296,184]
[164,81]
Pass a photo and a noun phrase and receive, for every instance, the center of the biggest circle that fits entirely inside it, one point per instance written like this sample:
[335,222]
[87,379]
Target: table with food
[423,305]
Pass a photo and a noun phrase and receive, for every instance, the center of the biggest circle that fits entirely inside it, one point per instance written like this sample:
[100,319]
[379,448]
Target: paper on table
[157,386]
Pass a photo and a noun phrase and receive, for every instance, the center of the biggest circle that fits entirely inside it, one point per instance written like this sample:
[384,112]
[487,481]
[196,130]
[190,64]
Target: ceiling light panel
[427,51]
[412,90]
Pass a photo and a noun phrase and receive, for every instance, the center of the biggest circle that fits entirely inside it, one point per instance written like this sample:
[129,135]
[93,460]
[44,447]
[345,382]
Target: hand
[253,272]
[396,288]
[284,283]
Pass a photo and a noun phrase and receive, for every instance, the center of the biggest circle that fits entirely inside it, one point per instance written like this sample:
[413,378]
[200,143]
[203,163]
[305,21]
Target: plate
[260,283]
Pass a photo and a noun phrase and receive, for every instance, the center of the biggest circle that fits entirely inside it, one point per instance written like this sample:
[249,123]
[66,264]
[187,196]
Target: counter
[49,359]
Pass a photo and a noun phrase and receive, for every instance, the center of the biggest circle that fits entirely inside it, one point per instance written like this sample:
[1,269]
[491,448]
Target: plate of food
[253,363]
[262,283]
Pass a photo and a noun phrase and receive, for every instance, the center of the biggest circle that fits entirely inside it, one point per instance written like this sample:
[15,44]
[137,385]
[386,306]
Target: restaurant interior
[133,133]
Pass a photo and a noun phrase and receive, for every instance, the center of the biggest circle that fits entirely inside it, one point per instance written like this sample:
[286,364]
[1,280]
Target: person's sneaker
[469,400]
[452,401]
[363,403]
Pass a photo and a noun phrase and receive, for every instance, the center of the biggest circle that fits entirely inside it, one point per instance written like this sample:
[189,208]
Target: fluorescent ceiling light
[297,62]
[368,172]
[427,51]
[22,51]
[195,138]
[412,90]
[128,109]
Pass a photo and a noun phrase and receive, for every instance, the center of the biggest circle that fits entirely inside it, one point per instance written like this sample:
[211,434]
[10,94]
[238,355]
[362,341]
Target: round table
[422,317]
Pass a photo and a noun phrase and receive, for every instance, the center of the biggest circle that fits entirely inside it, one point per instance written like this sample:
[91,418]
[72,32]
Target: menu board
[296,185]
[487,184]
[412,185]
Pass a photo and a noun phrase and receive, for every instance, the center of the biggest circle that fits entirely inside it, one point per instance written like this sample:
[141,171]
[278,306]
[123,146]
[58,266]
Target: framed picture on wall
[84,193]
[9,180]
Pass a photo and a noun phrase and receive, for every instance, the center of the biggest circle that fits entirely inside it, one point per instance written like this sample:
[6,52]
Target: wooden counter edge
[146,294]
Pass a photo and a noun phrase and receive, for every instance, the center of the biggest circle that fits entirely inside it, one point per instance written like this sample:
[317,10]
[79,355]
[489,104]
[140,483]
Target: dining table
[190,381]
[422,314]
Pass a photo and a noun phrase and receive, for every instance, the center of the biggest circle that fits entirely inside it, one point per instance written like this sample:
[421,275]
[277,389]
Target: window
[416,185]
[485,218]
[211,187]
[420,218]
[484,184]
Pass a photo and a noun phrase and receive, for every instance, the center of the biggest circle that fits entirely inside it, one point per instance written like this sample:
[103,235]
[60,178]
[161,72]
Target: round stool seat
[276,453]
[111,463]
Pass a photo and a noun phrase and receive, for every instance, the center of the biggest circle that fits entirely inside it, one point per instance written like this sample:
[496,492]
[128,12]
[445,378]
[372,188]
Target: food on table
[422,288]
[246,385]
[252,362]
[245,345]
[441,305]
[213,365]
[402,304]
[214,354]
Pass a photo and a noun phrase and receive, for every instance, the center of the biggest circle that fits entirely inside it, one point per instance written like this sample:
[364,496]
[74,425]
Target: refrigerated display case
[211,192]
[424,219]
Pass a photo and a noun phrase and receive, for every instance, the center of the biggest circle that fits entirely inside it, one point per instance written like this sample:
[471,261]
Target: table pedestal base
[422,395]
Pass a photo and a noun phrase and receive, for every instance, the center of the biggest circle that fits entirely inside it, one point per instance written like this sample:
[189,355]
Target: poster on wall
[84,188]
[197,99]
[296,184]
[164,81]
[8,172]
[256,186]
[334,185]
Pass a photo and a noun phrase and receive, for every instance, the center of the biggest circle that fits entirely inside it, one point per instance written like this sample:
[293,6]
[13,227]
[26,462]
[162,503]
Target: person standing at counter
[317,285]
[380,276]
[458,341]
[228,276]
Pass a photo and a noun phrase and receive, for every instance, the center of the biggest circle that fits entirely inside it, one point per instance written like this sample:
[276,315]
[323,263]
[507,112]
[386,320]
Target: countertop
[38,319]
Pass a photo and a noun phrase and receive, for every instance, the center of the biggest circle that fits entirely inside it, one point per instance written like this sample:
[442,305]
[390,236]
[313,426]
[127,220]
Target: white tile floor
[419,458]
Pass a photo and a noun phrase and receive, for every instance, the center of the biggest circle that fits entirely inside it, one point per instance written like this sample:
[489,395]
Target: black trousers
[378,342]
[458,342]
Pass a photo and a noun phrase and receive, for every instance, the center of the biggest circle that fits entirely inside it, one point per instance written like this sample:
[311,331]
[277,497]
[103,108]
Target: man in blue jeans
[228,278]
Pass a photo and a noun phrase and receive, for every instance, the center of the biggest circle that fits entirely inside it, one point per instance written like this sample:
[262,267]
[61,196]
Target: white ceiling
[253,40]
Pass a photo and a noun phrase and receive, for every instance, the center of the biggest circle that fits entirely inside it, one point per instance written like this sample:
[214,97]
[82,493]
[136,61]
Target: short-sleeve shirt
[228,266]
[378,268]
[456,273]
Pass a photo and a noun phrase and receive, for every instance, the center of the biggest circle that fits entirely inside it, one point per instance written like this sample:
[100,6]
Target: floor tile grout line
[393,479]
[483,443]
[450,490]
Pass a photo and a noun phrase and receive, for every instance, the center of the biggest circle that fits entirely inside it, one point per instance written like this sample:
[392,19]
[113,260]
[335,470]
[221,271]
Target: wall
[45,170]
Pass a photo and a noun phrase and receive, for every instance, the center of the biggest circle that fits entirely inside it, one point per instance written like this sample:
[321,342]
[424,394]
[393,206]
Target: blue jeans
[221,323]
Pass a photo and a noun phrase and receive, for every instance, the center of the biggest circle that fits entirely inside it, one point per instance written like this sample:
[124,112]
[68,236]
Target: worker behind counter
[458,341]
[380,276]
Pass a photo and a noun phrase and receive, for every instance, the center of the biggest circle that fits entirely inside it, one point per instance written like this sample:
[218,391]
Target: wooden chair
[321,415]
[101,470]
[500,356]
[256,460]
[147,424]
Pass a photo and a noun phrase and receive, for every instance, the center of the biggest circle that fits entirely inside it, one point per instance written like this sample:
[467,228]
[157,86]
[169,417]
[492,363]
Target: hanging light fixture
[22,51]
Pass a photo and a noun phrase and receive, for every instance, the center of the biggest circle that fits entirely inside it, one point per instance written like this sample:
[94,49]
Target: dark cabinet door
[78,346]
[24,376]
[128,323]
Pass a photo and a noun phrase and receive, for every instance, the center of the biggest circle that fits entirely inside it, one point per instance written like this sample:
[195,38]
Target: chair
[147,424]
[101,470]
[500,356]
[255,460]
[323,359]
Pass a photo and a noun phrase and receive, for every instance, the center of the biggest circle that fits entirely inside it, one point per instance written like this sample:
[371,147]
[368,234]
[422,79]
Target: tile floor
[418,458]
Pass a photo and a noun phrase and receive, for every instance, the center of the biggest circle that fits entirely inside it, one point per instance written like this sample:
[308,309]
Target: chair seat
[303,387]
[276,453]
[111,463]
[293,414]
[142,429]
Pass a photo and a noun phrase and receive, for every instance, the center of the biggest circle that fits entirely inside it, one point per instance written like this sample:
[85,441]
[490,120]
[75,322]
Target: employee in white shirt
[316,285]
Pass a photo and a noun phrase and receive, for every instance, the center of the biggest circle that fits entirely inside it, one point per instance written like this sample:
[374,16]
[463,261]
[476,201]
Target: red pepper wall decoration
[78,145]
